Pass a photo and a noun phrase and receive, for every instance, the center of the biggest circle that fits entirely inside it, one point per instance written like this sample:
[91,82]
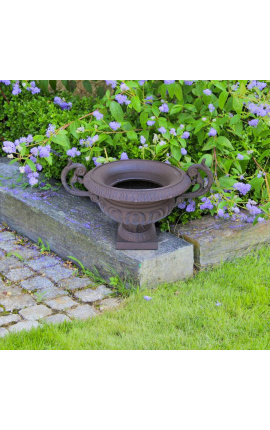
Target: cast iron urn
[136,194]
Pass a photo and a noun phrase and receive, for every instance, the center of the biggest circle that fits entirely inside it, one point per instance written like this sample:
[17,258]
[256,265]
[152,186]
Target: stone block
[57,273]
[3,332]
[36,283]
[16,275]
[76,283]
[35,312]
[110,303]
[82,312]
[217,240]
[61,303]
[11,303]
[23,325]
[8,319]
[90,295]
[56,319]
[43,261]
[75,226]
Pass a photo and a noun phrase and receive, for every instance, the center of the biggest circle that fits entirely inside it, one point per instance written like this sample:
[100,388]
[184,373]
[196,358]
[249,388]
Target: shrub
[177,122]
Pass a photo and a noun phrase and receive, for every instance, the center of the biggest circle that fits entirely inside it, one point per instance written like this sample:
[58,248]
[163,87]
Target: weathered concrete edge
[25,217]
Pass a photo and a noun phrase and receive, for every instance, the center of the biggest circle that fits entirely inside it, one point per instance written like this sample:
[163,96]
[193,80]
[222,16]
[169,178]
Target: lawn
[224,308]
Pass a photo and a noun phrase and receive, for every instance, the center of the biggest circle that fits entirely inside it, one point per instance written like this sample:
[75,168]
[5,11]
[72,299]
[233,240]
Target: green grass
[183,315]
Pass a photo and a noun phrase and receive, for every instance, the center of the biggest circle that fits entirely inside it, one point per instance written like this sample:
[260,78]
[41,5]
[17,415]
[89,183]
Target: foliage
[178,122]
[223,309]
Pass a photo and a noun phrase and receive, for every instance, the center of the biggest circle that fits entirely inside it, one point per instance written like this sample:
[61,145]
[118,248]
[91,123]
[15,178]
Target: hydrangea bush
[176,122]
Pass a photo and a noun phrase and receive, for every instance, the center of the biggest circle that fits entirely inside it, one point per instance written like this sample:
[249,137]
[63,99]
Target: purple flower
[29,138]
[147,298]
[182,205]
[218,304]
[207,92]
[191,206]
[183,151]
[16,89]
[124,156]
[73,152]
[39,167]
[162,130]
[212,132]
[122,99]
[150,123]
[124,87]
[240,157]
[9,147]
[114,125]
[95,162]
[220,213]
[62,103]
[164,108]
[5,82]
[50,130]
[44,151]
[206,204]
[211,107]
[185,135]
[169,82]
[260,219]
[34,151]
[149,100]
[111,83]
[142,139]
[253,122]
[188,83]
[252,208]
[33,88]
[242,188]
[97,115]
[142,82]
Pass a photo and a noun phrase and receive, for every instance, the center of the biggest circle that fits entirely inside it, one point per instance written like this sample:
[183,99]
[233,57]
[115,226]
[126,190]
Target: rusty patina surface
[136,194]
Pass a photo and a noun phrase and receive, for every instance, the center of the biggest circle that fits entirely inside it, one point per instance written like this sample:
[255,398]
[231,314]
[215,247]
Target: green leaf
[136,103]
[235,119]
[117,111]
[226,182]
[49,160]
[73,127]
[38,138]
[143,119]
[222,99]
[223,141]
[31,165]
[132,135]
[62,140]
[212,143]
[208,159]
[87,85]
[65,83]
[155,110]
[256,184]
[171,90]
[176,152]
[220,85]
[176,109]
[178,92]
[237,104]
[101,92]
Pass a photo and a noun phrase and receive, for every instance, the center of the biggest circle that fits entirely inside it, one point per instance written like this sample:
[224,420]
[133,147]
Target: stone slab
[16,275]
[90,295]
[72,284]
[7,319]
[56,319]
[35,312]
[108,304]
[12,303]
[57,273]
[3,332]
[36,283]
[82,312]
[75,226]
[23,325]
[217,240]
[60,303]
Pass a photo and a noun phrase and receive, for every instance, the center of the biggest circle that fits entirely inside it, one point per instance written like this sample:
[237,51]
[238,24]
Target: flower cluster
[62,103]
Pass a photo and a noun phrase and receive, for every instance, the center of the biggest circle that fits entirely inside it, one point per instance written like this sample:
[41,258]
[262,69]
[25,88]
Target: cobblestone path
[37,288]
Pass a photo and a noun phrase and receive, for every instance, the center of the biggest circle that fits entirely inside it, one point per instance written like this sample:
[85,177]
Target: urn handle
[80,171]
[194,174]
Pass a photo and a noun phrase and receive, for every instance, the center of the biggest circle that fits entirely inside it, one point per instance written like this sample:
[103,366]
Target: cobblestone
[93,295]
[82,312]
[36,288]
[16,275]
[56,319]
[7,319]
[72,284]
[43,261]
[37,283]
[35,312]
[3,332]
[23,325]
[61,303]
[57,273]
[12,303]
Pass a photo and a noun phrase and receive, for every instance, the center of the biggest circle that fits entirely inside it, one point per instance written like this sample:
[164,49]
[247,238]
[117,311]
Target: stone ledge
[74,226]
[217,240]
